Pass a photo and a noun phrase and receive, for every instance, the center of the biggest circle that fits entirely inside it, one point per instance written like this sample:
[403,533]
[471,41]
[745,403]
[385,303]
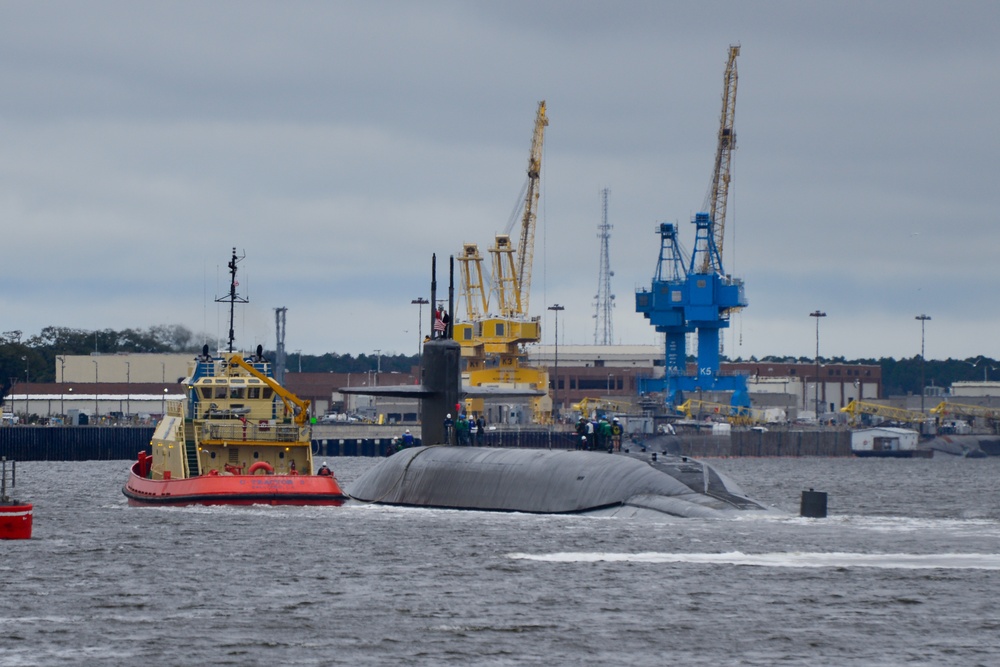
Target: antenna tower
[603,334]
[279,348]
[232,299]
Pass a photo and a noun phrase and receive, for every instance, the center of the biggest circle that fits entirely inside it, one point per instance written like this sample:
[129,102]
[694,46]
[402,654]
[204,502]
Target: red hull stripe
[235,499]
[235,490]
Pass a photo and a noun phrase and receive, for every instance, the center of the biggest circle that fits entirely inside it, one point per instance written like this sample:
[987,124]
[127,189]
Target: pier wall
[770,443]
[96,443]
[85,443]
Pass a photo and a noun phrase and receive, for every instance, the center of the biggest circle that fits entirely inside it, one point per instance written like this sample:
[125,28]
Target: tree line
[34,358]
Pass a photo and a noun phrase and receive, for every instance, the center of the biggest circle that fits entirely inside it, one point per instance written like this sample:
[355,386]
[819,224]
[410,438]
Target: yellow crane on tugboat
[493,340]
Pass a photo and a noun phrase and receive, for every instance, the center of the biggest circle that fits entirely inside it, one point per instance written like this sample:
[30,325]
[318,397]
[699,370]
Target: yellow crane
[492,340]
[718,191]
[589,406]
[855,408]
[944,409]
[694,408]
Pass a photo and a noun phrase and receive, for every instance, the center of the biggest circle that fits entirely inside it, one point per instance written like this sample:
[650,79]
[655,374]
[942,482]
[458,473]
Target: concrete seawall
[827,442]
[92,443]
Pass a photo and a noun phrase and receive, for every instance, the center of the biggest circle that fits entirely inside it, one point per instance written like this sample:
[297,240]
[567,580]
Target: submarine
[539,481]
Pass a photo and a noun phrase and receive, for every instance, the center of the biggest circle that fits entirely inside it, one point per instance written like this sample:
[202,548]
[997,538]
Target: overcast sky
[339,144]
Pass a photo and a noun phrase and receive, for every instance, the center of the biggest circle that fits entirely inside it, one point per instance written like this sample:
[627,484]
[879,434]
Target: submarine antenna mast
[233,298]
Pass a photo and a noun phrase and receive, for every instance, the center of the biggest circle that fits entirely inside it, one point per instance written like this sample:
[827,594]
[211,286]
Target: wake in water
[893,561]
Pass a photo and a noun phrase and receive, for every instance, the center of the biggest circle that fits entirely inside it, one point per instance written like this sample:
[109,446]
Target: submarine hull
[550,482]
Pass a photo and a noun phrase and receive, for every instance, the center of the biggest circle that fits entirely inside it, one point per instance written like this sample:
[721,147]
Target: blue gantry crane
[694,294]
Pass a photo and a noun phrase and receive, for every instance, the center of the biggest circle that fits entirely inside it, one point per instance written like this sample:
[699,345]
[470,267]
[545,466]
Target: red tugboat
[15,516]
[239,438]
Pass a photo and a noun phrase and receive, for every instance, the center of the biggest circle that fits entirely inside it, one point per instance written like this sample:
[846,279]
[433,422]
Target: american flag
[439,324]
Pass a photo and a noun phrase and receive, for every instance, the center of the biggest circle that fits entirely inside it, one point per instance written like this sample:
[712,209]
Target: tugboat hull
[233,490]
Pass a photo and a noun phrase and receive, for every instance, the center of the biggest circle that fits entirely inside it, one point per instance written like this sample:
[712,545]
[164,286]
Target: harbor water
[905,570]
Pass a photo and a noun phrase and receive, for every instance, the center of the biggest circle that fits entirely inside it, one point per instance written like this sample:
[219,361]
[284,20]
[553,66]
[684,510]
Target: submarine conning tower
[440,375]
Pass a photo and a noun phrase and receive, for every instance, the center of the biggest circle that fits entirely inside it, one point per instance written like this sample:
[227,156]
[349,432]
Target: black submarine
[532,480]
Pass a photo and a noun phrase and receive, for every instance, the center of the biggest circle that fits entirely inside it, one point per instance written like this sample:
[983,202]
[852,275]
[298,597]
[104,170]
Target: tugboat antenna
[233,298]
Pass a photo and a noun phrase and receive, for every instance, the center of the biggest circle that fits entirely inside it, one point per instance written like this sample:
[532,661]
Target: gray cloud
[340,144]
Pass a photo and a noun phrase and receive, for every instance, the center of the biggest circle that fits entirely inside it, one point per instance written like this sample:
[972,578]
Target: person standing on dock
[449,427]
[616,434]
[581,433]
[462,431]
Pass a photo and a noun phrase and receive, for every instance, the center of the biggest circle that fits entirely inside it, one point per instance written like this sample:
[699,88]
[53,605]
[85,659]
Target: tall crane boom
[473,289]
[718,192]
[526,244]
[496,332]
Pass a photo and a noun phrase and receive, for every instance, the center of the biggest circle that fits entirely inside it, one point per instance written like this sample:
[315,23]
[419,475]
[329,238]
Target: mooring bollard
[813,504]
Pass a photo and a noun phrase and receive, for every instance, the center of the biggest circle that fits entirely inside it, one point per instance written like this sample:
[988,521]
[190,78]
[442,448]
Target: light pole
[128,391]
[27,407]
[817,314]
[62,378]
[97,408]
[163,404]
[420,301]
[923,362]
[555,383]
[378,365]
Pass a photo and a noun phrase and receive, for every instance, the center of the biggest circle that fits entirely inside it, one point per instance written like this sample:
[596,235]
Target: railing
[238,431]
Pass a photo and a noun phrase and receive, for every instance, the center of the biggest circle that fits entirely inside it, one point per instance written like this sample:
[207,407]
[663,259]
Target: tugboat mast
[232,298]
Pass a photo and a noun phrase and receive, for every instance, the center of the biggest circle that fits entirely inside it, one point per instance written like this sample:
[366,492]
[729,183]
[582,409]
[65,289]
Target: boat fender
[213,473]
[261,465]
